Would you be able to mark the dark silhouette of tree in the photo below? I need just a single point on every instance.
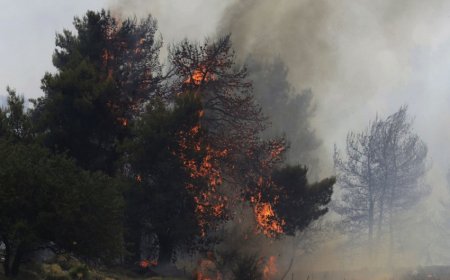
(299, 202)
(159, 203)
(288, 110)
(48, 201)
(105, 73)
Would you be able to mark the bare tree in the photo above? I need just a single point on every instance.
(380, 176)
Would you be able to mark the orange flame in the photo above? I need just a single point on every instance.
(123, 121)
(147, 263)
(270, 268)
(207, 269)
(199, 76)
(106, 56)
(267, 219)
(208, 202)
(138, 178)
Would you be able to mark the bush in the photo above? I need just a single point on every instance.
(247, 268)
(79, 272)
(58, 277)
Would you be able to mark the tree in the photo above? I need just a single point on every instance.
(288, 110)
(159, 203)
(232, 122)
(233, 125)
(15, 124)
(299, 202)
(46, 200)
(105, 73)
(380, 175)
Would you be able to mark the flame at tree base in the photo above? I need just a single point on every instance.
(270, 268)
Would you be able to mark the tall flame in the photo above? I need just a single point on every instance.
(267, 220)
(270, 268)
(204, 166)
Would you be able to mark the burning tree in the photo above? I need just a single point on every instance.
(232, 122)
(189, 140)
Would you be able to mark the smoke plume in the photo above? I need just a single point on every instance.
(358, 57)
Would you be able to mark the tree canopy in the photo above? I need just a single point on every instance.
(48, 201)
(122, 153)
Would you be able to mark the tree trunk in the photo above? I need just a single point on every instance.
(133, 244)
(371, 214)
(12, 269)
(16, 264)
(165, 249)
(7, 259)
(291, 262)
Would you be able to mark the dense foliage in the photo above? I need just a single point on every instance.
(122, 158)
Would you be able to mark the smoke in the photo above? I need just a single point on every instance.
(177, 19)
(358, 57)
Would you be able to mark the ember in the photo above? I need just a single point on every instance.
(147, 263)
(123, 121)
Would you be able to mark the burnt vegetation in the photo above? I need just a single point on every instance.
(123, 160)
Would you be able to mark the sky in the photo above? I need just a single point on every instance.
(378, 56)
(29, 27)
(28, 38)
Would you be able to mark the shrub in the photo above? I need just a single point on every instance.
(247, 268)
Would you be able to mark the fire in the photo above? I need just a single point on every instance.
(270, 268)
(138, 178)
(207, 269)
(204, 167)
(107, 56)
(123, 121)
(199, 76)
(147, 263)
(267, 219)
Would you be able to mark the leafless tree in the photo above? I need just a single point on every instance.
(380, 176)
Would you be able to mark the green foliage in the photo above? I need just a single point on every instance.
(15, 124)
(103, 78)
(80, 272)
(107, 114)
(300, 202)
(57, 277)
(160, 203)
(47, 199)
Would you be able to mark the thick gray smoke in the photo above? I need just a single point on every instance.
(358, 57)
